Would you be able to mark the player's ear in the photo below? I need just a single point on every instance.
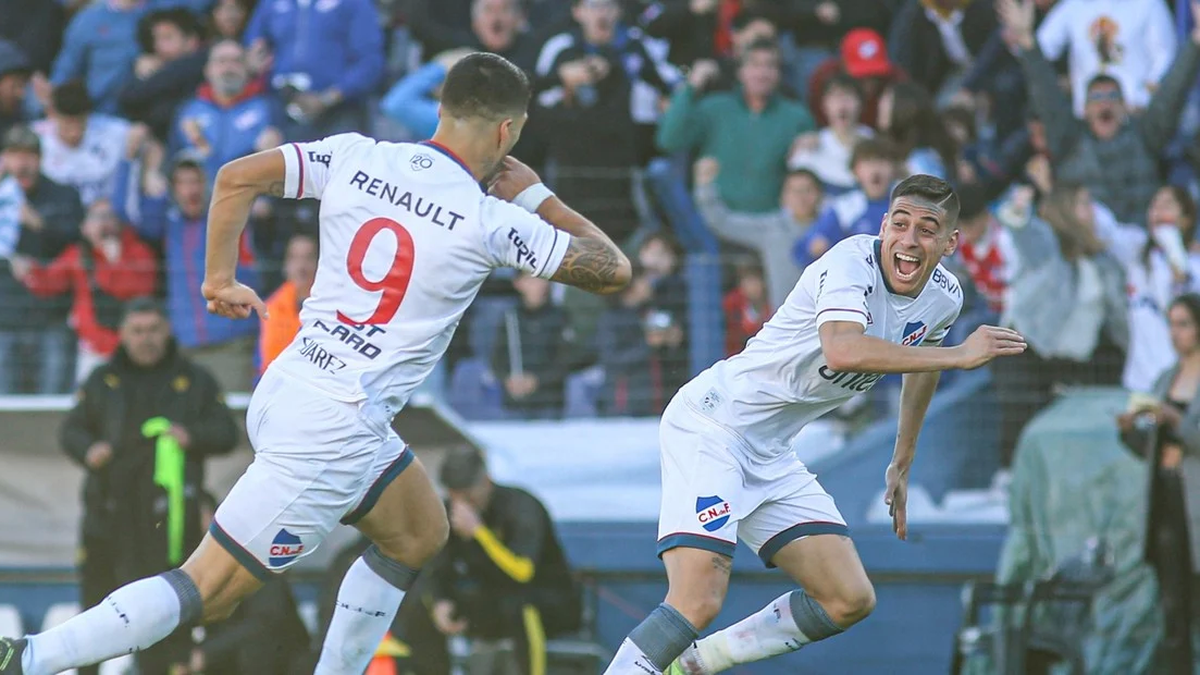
(951, 244)
(506, 131)
(883, 223)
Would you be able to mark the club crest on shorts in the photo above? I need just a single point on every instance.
(285, 548)
(713, 512)
(914, 333)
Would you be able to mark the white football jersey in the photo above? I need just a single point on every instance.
(780, 382)
(90, 167)
(407, 236)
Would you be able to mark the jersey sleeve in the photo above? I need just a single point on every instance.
(309, 166)
(844, 278)
(516, 238)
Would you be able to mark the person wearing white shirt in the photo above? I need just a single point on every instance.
(827, 152)
(81, 148)
(1131, 40)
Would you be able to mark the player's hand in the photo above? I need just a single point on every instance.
(896, 497)
(987, 343)
(98, 455)
(464, 519)
(443, 618)
(512, 179)
(233, 300)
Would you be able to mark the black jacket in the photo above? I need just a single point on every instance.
(916, 45)
(34, 26)
(490, 584)
(541, 343)
(154, 100)
(121, 500)
(62, 213)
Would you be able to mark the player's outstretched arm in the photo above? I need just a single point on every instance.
(915, 396)
(848, 350)
(592, 261)
(237, 185)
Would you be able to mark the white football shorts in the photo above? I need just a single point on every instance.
(317, 462)
(714, 491)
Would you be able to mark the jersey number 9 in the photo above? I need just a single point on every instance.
(394, 284)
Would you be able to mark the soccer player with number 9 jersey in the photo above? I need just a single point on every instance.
(407, 236)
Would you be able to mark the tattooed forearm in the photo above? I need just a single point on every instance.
(593, 265)
(722, 564)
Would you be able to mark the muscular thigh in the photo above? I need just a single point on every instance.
(408, 522)
(827, 566)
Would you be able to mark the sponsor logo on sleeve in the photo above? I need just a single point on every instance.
(319, 158)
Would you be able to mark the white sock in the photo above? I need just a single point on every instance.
(771, 631)
(366, 605)
(131, 618)
(631, 661)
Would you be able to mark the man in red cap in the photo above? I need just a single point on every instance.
(864, 57)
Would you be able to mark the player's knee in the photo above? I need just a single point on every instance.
(851, 605)
(417, 548)
(700, 608)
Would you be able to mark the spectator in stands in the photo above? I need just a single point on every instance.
(100, 47)
(746, 308)
(495, 26)
(747, 28)
(985, 250)
(938, 41)
(667, 319)
(1158, 267)
(529, 357)
(230, 115)
(859, 212)
(14, 75)
(167, 72)
(624, 354)
(503, 574)
(908, 117)
(283, 306)
(751, 129)
(224, 346)
(142, 428)
(35, 27)
(770, 235)
(1170, 442)
(1115, 155)
(228, 18)
(864, 57)
(102, 271)
(264, 636)
(599, 76)
(1132, 41)
(827, 152)
(34, 338)
(704, 29)
(1078, 333)
(80, 147)
(326, 59)
(413, 100)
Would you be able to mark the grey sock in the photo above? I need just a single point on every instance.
(811, 618)
(664, 635)
(394, 572)
(191, 606)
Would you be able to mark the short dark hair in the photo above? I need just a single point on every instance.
(185, 160)
(487, 86)
(1104, 78)
(462, 468)
(841, 80)
(1191, 303)
(805, 173)
(762, 44)
(931, 189)
(875, 147)
(183, 19)
(71, 99)
(972, 201)
(142, 305)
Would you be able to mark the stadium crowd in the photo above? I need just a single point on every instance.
(726, 143)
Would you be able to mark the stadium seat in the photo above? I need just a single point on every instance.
(10, 621)
(58, 614)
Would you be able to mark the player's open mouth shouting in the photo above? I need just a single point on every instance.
(913, 238)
